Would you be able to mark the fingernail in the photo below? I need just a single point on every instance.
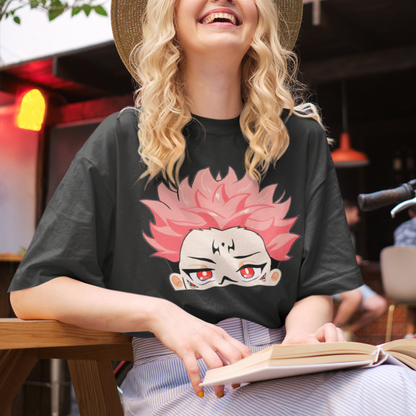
(221, 394)
(235, 386)
(201, 394)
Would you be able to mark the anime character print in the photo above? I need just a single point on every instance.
(221, 231)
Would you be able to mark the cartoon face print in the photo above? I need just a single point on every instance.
(220, 232)
(218, 258)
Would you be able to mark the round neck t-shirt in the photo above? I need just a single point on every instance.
(219, 245)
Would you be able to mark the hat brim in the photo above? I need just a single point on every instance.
(127, 18)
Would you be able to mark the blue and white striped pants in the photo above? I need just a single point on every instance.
(159, 385)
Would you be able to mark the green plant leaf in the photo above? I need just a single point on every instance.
(75, 11)
(16, 19)
(34, 4)
(22, 250)
(100, 10)
(54, 13)
(87, 9)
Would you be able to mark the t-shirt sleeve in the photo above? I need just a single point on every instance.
(328, 261)
(73, 234)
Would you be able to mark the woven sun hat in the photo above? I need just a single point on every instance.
(127, 20)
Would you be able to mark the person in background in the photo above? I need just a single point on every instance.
(405, 235)
(362, 299)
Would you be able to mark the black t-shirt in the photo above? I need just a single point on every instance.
(220, 245)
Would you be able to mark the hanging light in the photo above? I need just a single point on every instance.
(31, 111)
(345, 156)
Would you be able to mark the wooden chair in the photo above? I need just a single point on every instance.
(89, 354)
(398, 274)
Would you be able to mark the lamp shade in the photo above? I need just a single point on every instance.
(31, 111)
(346, 157)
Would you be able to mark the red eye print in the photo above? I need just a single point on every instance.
(204, 274)
(201, 276)
(247, 272)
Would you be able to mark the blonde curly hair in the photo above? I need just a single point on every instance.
(268, 86)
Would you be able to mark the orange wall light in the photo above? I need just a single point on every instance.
(32, 111)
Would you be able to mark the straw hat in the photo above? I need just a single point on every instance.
(127, 17)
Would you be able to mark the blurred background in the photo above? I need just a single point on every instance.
(357, 57)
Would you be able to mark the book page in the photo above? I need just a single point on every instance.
(323, 348)
(267, 373)
(404, 358)
(237, 368)
(298, 359)
(400, 344)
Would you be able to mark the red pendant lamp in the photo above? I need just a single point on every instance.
(345, 156)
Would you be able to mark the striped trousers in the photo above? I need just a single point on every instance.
(159, 385)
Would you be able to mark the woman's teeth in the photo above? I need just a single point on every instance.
(225, 17)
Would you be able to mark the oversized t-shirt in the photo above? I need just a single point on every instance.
(219, 245)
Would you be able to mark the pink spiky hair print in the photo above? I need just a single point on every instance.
(221, 204)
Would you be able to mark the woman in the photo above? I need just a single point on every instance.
(224, 235)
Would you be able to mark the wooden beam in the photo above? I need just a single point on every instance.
(66, 67)
(371, 128)
(100, 108)
(338, 27)
(355, 66)
(95, 388)
(11, 257)
(15, 366)
(113, 352)
(12, 84)
(16, 333)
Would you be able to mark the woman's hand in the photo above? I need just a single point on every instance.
(326, 333)
(191, 339)
(309, 322)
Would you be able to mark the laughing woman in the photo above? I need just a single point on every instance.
(222, 235)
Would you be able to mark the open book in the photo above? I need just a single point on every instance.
(291, 360)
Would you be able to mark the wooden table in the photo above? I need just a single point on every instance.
(89, 354)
